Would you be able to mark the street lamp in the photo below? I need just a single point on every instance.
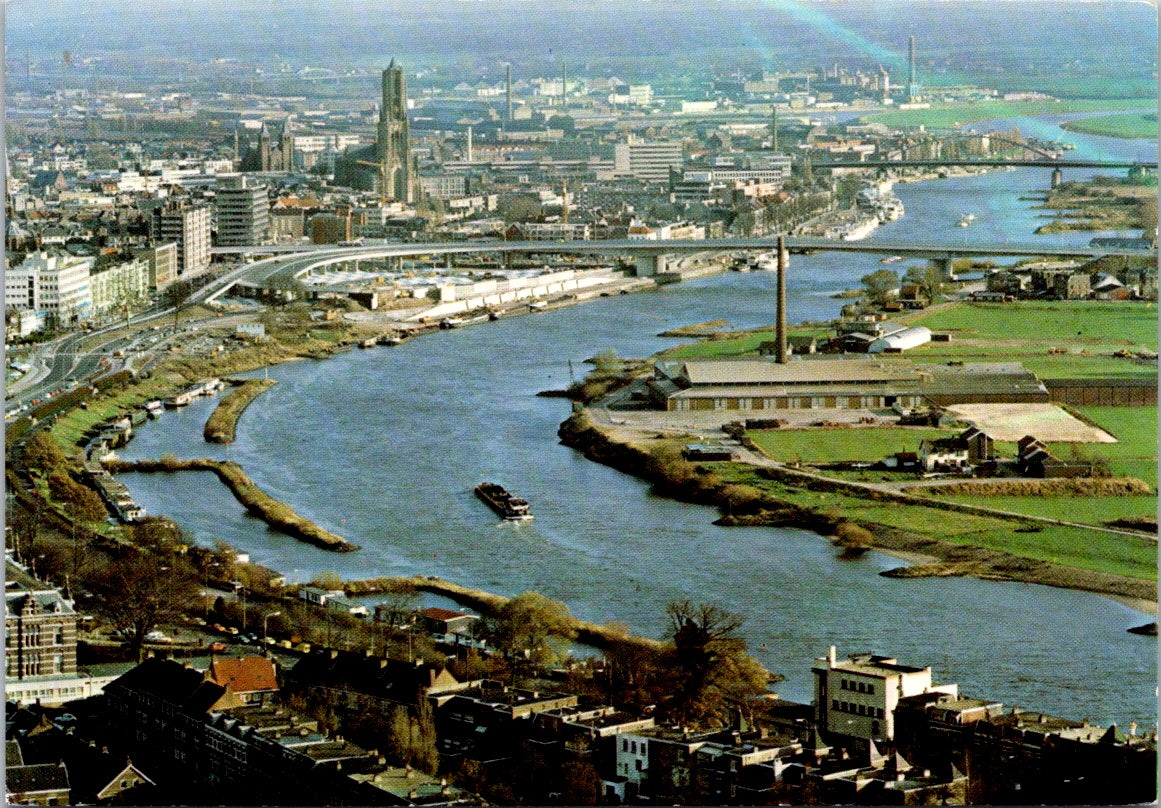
(265, 632)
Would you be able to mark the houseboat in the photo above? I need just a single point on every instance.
(498, 499)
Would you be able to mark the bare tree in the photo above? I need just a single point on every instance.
(713, 672)
(139, 592)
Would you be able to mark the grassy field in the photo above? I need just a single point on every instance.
(1127, 126)
(833, 445)
(951, 115)
(1086, 510)
(69, 429)
(1079, 322)
(1026, 331)
(734, 346)
(1018, 332)
(1076, 547)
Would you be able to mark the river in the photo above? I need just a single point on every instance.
(384, 446)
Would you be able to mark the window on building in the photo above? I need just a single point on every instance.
(870, 688)
(834, 704)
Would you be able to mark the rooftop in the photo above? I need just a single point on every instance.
(803, 371)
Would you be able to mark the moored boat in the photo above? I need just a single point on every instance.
(502, 502)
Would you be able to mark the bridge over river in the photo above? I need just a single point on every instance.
(650, 256)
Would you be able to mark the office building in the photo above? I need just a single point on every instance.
(647, 160)
(188, 225)
(55, 286)
(243, 211)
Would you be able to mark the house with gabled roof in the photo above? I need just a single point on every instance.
(252, 679)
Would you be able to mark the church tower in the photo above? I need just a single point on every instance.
(393, 149)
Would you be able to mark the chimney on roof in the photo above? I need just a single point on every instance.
(780, 323)
(831, 658)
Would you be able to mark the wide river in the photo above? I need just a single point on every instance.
(384, 447)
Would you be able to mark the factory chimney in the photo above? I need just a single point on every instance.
(469, 149)
(774, 127)
(911, 57)
(508, 85)
(780, 323)
(563, 84)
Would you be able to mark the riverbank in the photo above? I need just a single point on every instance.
(1127, 127)
(489, 603)
(747, 505)
(278, 515)
(221, 426)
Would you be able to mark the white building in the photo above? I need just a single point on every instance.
(56, 286)
(188, 225)
(856, 697)
(647, 160)
(633, 94)
(444, 186)
(243, 211)
(120, 285)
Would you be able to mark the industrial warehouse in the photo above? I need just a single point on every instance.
(829, 383)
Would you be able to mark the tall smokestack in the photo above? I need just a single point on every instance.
(508, 85)
(780, 323)
(469, 144)
(563, 84)
(911, 57)
(774, 126)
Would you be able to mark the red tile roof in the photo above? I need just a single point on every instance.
(246, 674)
(436, 613)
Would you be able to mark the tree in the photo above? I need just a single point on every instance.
(157, 533)
(713, 672)
(533, 626)
(82, 502)
(880, 284)
(41, 453)
(928, 278)
(138, 593)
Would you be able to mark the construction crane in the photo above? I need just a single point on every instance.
(382, 166)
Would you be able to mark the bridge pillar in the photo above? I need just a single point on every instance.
(947, 266)
(650, 265)
(780, 321)
(1057, 177)
(506, 257)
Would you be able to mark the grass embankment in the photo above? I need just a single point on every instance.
(273, 512)
(1101, 562)
(1133, 125)
(489, 603)
(964, 543)
(952, 115)
(728, 344)
(221, 425)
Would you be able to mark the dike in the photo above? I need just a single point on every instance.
(223, 421)
(257, 502)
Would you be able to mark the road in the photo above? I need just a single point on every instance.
(66, 357)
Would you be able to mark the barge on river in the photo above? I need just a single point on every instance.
(502, 502)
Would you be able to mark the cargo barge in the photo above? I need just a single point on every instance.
(498, 499)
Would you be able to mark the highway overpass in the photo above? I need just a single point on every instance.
(282, 273)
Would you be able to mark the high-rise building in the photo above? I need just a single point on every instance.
(55, 286)
(648, 160)
(243, 211)
(188, 225)
(393, 149)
